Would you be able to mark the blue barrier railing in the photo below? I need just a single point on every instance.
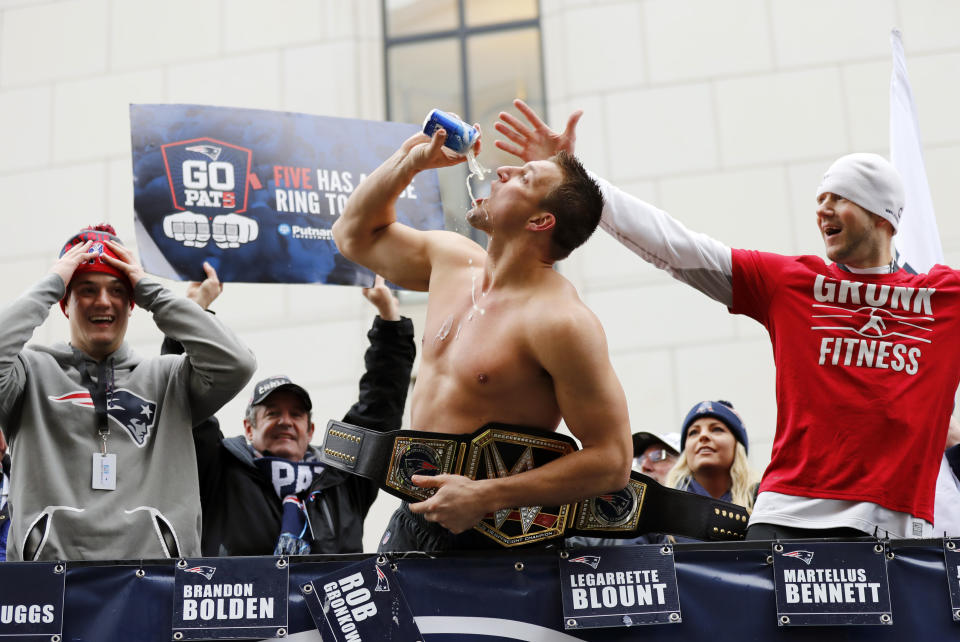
(726, 593)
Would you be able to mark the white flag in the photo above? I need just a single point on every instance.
(917, 241)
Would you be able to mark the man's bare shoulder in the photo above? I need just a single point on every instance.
(449, 249)
(559, 316)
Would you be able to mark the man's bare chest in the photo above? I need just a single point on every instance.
(479, 342)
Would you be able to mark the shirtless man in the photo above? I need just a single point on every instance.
(507, 338)
(866, 356)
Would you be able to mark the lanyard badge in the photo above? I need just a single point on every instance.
(104, 469)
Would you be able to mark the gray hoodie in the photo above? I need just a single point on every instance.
(48, 416)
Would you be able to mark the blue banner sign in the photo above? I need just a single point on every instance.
(831, 583)
(619, 586)
(229, 598)
(951, 558)
(256, 192)
(362, 601)
(31, 600)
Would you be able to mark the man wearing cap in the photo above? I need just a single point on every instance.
(265, 492)
(866, 356)
(101, 437)
(654, 455)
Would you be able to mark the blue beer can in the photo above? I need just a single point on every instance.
(460, 136)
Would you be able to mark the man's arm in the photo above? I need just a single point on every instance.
(219, 365)
(388, 362)
(368, 232)
(385, 381)
(203, 293)
(18, 322)
(692, 257)
(573, 350)
(206, 434)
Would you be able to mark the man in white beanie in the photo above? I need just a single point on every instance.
(866, 356)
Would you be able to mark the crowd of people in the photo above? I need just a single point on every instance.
(863, 410)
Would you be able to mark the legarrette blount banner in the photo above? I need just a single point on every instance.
(256, 192)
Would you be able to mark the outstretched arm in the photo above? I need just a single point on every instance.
(203, 293)
(368, 232)
(388, 361)
(692, 257)
(573, 351)
(217, 364)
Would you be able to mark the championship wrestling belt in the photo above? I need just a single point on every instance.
(500, 450)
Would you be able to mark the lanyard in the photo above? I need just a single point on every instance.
(100, 393)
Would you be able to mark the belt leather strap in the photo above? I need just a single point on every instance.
(500, 450)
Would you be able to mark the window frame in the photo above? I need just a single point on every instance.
(462, 33)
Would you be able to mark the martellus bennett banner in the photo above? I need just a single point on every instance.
(256, 192)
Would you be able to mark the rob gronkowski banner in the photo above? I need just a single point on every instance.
(255, 192)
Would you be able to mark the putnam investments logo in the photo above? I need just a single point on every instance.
(305, 232)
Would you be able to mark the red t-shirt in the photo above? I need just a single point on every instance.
(867, 367)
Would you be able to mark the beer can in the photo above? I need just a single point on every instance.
(460, 136)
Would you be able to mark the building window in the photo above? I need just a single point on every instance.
(471, 57)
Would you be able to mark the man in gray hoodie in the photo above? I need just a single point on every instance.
(105, 465)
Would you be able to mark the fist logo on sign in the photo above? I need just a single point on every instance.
(193, 230)
(233, 230)
(196, 230)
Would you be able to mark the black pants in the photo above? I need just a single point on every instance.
(775, 531)
(409, 532)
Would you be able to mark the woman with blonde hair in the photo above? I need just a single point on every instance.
(713, 460)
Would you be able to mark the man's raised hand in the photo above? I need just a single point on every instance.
(536, 141)
(384, 299)
(428, 152)
(125, 262)
(67, 264)
(205, 292)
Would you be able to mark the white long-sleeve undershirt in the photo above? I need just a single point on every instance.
(691, 257)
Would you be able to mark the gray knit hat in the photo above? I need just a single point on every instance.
(870, 181)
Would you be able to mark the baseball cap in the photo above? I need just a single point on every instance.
(268, 386)
(643, 440)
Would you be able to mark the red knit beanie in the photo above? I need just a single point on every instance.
(98, 234)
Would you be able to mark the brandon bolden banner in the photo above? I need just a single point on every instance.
(234, 598)
(255, 192)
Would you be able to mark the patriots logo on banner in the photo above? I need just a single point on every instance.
(804, 556)
(130, 411)
(382, 584)
(206, 571)
(208, 176)
(590, 560)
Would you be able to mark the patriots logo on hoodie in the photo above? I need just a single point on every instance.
(127, 409)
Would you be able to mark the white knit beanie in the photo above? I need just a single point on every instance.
(870, 181)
